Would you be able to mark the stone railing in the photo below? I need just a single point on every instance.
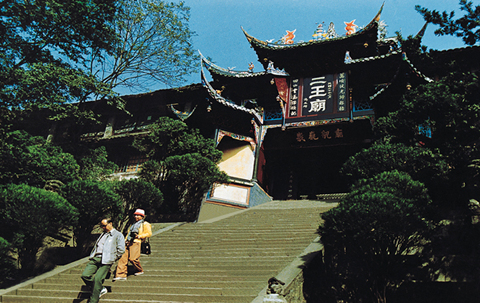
(287, 286)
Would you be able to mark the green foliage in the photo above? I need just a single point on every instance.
(94, 201)
(30, 160)
(183, 164)
(137, 193)
(94, 164)
(42, 47)
(420, 163)
(466, 27)
(189, 177)
(7, 264)
(374, 239)
(449, 108)
(28, 215)
(170, 137)
(137, 61)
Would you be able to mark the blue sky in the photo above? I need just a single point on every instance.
(218, 23)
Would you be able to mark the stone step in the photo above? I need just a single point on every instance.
(82, 297)
(253, 228)
(232, 243)
(267, 238)
(226, 261)
(147, 278)
(40, 289)
(227, 253)
(177, 271)
(244, 236)
(166, 282)
(159, 276)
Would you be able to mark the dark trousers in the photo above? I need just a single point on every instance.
(94, 275)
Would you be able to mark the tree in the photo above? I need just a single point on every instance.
(420, 163)
(94, 201)
(466, 27)
(94, 164)
(170, 137)
(31, 160)
(28, 215)
(137, 193)
(449, 111)
(183, 164)
(42, 48)
(188, 177)
(374, 240)
(154, 45)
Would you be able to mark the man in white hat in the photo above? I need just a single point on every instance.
(138, 232)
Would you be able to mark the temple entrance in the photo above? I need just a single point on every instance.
(304, 173)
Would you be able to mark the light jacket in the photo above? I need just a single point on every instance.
(145, 231)
(113, 248)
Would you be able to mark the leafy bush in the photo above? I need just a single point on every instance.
(7, 265)
(183, 179)
(28, 215)
(183, 164)
(30, 160)
(94, 200)
(94, 164)
(420, 163)
(137, 193)
(374, 235)
(169, 137)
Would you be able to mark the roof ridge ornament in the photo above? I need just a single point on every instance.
(275, 71)
(211, 67)
(421, 33)
(289, 36)
(182, 115)
(330, 35)
(350, 27)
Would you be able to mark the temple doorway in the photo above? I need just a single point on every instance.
(304, 173)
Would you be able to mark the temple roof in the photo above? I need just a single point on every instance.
(225, 102)
(311, 56)
(224, 72)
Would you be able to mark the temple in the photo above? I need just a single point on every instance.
(311, 108)
(285, 131)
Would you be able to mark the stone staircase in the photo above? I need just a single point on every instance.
(227, 259)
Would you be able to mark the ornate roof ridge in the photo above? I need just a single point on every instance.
(414, 69)
(265, 44)
(228, 72)
(421, 33)
(217, 97)
(393, 53)
(372, 58)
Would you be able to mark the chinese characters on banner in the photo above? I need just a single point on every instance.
(318, 135)
(294, 95)
(319, 96)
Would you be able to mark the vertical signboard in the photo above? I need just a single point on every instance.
(294, 97)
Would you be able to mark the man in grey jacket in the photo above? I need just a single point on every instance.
(109, 247)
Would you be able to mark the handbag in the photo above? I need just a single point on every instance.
(145, 247)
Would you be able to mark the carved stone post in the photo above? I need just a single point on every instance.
(274, 291)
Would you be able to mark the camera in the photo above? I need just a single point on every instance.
(131, 236)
